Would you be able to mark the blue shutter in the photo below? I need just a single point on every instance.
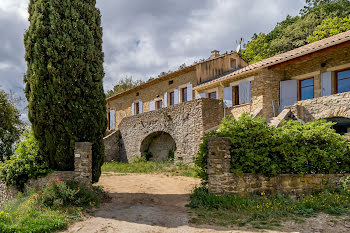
(152, 106)
(288, 93)
(326, 84)
(244, 92)
(176, 96)
(141, 106)
(189, 92)
(133, 109)
(165, 102)
(227, 97)
(112, 119)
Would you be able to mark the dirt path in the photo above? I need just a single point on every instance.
(155, 203)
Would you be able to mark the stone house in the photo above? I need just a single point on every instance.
(171, 113)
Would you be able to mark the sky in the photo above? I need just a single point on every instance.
(142, 38)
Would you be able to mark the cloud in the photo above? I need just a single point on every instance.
(143, 38)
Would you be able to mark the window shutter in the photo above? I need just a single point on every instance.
(227, 97)
(141, 106)
(152, 106)
(112, 119)
(244, 92)
(165, 102)
(288, 93)
(201, 95)
(189, 92)
(176, 96)
(133, 109)
(326, 84)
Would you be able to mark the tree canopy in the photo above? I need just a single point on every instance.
(11, 125)
(317, 20)
(64, 89)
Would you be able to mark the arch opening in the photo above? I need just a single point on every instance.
(158, 146)
(342, 124)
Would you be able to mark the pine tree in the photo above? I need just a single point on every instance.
(64, 76)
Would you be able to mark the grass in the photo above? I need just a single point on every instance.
(149, 167)
(26, 214)
(265, 212)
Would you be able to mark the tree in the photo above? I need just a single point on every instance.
(66, 101)
(330, 27)
(11, 125)
(124, 84)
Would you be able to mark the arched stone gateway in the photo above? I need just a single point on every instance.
(180, 126)
(159, 146)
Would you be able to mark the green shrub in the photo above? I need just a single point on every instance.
(294, 147)
(25, 164)
(59, 194)
(138, 159)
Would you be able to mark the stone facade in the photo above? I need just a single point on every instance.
(82, 173)
(222, 181)
(184, 123)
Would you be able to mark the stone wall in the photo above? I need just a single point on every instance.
(112, 147)
(323, 107)
(185, 123)
(221, 181)
(82, 173)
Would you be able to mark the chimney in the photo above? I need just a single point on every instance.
(214, 54)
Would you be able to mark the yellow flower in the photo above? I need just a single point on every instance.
(262, 193)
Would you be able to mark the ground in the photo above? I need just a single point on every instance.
(156, 203)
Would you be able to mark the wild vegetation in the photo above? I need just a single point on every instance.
(293, 148)
(319, 19)
(64, 89)
(25, 164)
(261, 211)
(49, 209)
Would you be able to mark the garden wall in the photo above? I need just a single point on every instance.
(81, 173)
(221, 181)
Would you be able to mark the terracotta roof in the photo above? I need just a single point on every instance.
(304, 50)
(165, 77)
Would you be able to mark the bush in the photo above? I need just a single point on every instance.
(294, 147)
(59, 194)
(25, 164)
(138, 159)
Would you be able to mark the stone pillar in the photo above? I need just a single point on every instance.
(219, 164)
(83, 162)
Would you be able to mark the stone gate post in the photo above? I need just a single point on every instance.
(83, 162)
(219, 163)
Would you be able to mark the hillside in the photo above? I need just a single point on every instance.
(318, 20)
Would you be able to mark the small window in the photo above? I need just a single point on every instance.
(137, 108)
(171, 98)
(235, 95)
(343, 81)
(184, 95)
(233, 63)
(212, 95)
(159, 104)
(137, 93)
(306, 89)
(171, 82)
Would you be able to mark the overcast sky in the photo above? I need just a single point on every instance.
(145, 37)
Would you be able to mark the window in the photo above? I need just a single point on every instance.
(184, 95)
(306, 89)
(159, 104)
(212, 95)
(171, 98)
(235, 91)
(171, 82)
(343, 81)
(137, 108)
(233, 63)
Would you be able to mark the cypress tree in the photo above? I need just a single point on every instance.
(64, 86)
